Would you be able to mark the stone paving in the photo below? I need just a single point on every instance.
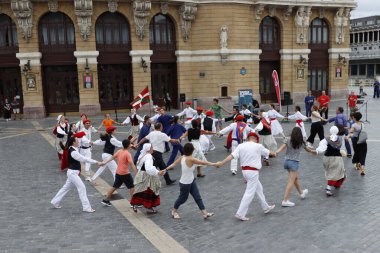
(347, 222)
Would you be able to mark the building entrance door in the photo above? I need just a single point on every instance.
(164, 82)
(61, 89)
(10, 84)
(267, 90)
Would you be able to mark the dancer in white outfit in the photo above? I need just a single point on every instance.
(110, 143)
(276, 127)
(189, 113)
(299, 118)
(239, 131)
(73, 178)
(85, 146)
(264, 129)
(250, 154)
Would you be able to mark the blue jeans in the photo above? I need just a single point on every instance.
(176, 148)
(347, 144)
(185, 190)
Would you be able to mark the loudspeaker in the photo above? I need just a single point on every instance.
(287, 100)
(182, 97)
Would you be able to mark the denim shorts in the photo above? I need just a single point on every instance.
(291, 165)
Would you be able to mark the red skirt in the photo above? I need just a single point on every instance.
(229, 140)
(146, 198)
(65, 159)
(337, 183)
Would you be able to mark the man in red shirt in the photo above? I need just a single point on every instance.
(324, 101)
(352, 100)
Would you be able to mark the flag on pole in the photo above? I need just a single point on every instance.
(276, 82)
(142, 99)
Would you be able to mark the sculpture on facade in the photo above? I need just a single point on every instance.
(338, 22)
(53, 5)
(187, 13)
(112, 6)
(164, 8)
(84, 11)
(141, 10)
(287, 12)
(223, 37)
(302, 21)
(23, 11)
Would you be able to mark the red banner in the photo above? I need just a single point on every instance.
(142, 99)
(276, 82)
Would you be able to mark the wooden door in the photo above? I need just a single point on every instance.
(61, 93)
(10, 84)
(164, 80)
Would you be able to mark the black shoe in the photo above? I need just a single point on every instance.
(106, 202)
(170, 182)
(349, 155)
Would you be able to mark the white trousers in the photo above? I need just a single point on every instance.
(87, 153)
(234, 162)
(268, 142)
(211, 145)
(112, 166)
(73, 179)
(253, 187)
(133, 131)
(302, 130)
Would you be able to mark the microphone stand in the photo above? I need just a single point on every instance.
(366, 112)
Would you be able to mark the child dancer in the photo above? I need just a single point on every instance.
(299, 118)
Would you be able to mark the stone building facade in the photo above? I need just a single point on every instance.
(87, 55)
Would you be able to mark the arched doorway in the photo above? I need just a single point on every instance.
(270, 44)
(319, 57)
(164, 61)
(59, 70)
(10, 76)
(113, 42)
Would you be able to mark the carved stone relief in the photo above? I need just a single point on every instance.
(272, 11)
(341, 21)
(112, 6)
(302, 20)
(321, 12)
(187, 13)
(53, 5)
(223, 37)
(84, 11)
(141, 11)
(259, 10)
(288, 11)
(164, 8)
(23, 11)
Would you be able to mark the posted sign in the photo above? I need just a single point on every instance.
(245, 97)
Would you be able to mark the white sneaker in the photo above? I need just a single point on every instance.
(89, 210)
(304, 193)
(88, 179)
(287, 204)
(270, 208)
(241, 217)
(56, 206)
(233, 173)
(212, 148)
(309, 145)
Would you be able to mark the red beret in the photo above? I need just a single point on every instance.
(255, 135)
(86, 120)
(158, 109)
(199, 108)
(209, 113)
(188, 102)
(110, 129)
(239, 118)
(79, 134)
(83, 114)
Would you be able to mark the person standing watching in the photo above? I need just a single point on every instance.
(352, 100)
(376, 89)
(309, 102)
(324, 101)
(16, 108)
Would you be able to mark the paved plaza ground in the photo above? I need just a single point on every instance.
(347, 222)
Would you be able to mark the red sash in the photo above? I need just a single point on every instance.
(299, 121)
(248, 168)
(266, 124)
(272, 119)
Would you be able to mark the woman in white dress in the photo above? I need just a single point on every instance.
(276, 127)
(299, 118)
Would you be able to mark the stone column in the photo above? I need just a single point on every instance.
(88, 96)
(141, 77)
(34, 107)
(338, 86)
(296, 79)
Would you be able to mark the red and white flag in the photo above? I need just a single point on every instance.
(276, 82)
(142, 99)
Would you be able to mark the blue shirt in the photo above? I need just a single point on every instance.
(165, 121)
(175, 131)
(309, 101)
(145, 130)
(340, 119)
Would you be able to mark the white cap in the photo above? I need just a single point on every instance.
(59, 117)
(334, 133)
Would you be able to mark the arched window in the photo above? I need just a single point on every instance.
(8, 33)
(112, 32)
(162, 33)
(56, 32)
(269, 33)
(319, 32)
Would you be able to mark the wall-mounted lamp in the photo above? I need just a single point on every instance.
(144, 65)
(26, 68)
(87, 68)
(303, 60)
(342, 59)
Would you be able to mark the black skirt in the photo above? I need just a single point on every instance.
(360, 151)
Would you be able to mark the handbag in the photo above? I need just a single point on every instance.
(362, 136)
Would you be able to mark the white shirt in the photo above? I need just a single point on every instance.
(149, 168)
(188, 112)
(59, 129)
(128, 119)
(250, 154)
(213, 124)
(79, 126)
(272, 114)
(113, 141)
(85, 140)
(232, 127)
(315, 117)
(80, 158)
(260, 126)
(297, 116)
(187, 176)
(246, 112)
(158, 139)
(155, 117)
